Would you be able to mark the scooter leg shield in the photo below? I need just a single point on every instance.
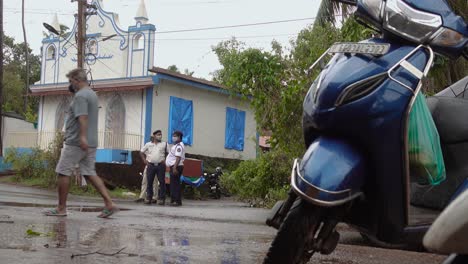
(331, 173)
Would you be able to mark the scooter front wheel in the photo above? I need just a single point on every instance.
(295, 235)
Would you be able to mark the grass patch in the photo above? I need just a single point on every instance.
(88, 190)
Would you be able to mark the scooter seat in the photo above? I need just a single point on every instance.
(450, 118)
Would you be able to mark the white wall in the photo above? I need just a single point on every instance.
(209, 119)
(134, 104)
(12, 127)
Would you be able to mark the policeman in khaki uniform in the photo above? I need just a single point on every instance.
(154, 156)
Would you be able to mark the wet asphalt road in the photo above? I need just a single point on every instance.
(225, 232)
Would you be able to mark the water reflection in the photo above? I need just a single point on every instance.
(60, 231)
(231, 253)
(171, 238)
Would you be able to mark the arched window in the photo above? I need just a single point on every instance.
(92, 47)
(114, 137)
(139, 42)
(51, 52)
(61, 112)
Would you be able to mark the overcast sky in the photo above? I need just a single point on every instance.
(191, 50)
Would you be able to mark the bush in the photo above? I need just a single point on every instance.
(262, 181)
(37, 165)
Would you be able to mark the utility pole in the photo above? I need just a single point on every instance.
(1, 78)
(81, 38)
(26, 54)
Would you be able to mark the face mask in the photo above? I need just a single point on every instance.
(158, 138)
(175, 139)
(71, 88)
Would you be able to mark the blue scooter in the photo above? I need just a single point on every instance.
(356, 169)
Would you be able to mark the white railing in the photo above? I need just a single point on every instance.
(44, 139)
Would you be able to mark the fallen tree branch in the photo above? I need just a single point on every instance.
(100, 253)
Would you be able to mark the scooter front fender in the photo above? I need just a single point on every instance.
(331, 173)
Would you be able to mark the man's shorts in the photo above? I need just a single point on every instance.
(74, 155)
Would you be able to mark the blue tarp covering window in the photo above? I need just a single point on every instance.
(235, 126)
(181, 118)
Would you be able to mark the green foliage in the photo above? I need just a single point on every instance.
(263, 178)
(15, 78)
(37, 165)
(31, 232)
(174, 68)
(352, 31)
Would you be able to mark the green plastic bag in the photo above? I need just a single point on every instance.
(425, 154)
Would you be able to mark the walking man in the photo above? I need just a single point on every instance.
(144, 180)
(175, 160)
(154, 156)
(80, 145)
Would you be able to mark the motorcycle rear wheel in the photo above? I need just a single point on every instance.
(291, 244)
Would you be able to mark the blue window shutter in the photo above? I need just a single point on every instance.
(235, 127)
(181, 118)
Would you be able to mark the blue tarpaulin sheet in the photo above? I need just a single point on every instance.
(235, 126)
(181, 118)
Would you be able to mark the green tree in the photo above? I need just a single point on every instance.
(15, 78)
(174, 68)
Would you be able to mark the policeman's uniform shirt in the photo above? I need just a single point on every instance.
(178, 150)
(155, 152)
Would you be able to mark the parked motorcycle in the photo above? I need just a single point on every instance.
(213, 182)
(356, 117)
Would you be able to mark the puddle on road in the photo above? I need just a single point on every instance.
(168, 246)
(84, 209)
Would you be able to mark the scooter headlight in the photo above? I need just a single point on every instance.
(410, 23)
(447, 38)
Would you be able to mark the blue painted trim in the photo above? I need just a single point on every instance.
(47, 51)
(49, 40)
(118, 30)
(136, 49)
(145, 18)
(149, 54)
(94, 35)
(97, 44)
(58, 64)
(141, 114)
(192, 83)
(113, 156)
(72, 34)
(148, 113)
(145, 27)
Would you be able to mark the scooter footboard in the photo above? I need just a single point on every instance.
(331, 173)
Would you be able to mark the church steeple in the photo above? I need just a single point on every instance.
(142, 15)
(55, 23)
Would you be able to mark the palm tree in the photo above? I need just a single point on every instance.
(329, 10)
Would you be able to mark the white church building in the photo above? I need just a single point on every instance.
(136, 98)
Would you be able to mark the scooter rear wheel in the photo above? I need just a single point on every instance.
(292, 242)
